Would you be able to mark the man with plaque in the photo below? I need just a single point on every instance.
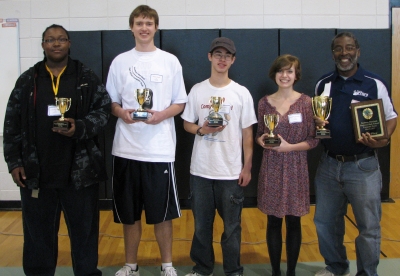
(148, 78)
(217, 175)
(57, 168)
(349, 170)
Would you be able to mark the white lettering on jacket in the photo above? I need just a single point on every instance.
(360, 93)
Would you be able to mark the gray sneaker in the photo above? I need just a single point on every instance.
(326, 272)
(127, 271)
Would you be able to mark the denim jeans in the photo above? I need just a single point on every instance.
(336, 184)
(225, 196)
(41, 222)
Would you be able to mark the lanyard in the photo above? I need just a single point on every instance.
(55, 87)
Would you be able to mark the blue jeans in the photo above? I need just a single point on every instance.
(336, 184)
(41, 222)
(226, 196)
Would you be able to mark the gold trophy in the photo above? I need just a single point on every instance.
(63, 104)
(271, 122)
(141, 96)
(322, 106)
(215, 119)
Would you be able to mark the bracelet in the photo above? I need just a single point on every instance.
(198, 132)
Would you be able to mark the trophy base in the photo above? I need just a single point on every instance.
(61, 125)
(140, 115)
(215, 122)
(323, 134)
(272, 142)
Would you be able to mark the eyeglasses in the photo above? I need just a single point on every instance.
(227, 57)
(348, 48)
(53, 40)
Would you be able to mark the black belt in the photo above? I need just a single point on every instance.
(348, 158)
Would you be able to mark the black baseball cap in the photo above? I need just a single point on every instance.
(223, 42)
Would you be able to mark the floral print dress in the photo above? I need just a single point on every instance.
(283, 182)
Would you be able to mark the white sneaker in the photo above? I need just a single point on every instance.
(325, 272)
(169, 271)
(127, 271)
(197, 274)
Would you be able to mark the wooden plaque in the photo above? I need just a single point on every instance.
(369, 116)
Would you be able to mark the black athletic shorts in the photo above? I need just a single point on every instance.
(141, 185)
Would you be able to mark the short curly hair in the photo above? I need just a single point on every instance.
(345, 34)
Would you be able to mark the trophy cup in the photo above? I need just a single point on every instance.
(215, 119)
(271, 122)
(63, 104)
(141, 96)
(322, 106)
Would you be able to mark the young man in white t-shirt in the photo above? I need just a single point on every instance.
(217, 174)
(144, 150)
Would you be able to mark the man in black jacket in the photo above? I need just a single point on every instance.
(57, 169)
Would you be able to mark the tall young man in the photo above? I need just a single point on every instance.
(349, 171)
(217, 172)
(144, 150)
(57, 169)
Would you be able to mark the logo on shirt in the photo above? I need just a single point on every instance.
(138, 77)
(360, 93)
(208, 106)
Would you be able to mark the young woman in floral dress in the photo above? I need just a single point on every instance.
(283, 185)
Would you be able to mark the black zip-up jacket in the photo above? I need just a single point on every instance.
(93, 112)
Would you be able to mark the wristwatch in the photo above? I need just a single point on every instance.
(198, 132)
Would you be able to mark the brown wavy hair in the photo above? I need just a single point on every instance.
(285, 62)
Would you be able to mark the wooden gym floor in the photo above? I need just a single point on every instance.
(254, 249)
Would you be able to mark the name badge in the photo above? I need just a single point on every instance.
(225, 109)
(295, 118)
(156, 78)
(35, 193)
(52, 110)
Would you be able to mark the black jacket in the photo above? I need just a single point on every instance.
(93, 112)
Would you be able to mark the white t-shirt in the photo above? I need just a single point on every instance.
(219, 155)
(162, 73)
